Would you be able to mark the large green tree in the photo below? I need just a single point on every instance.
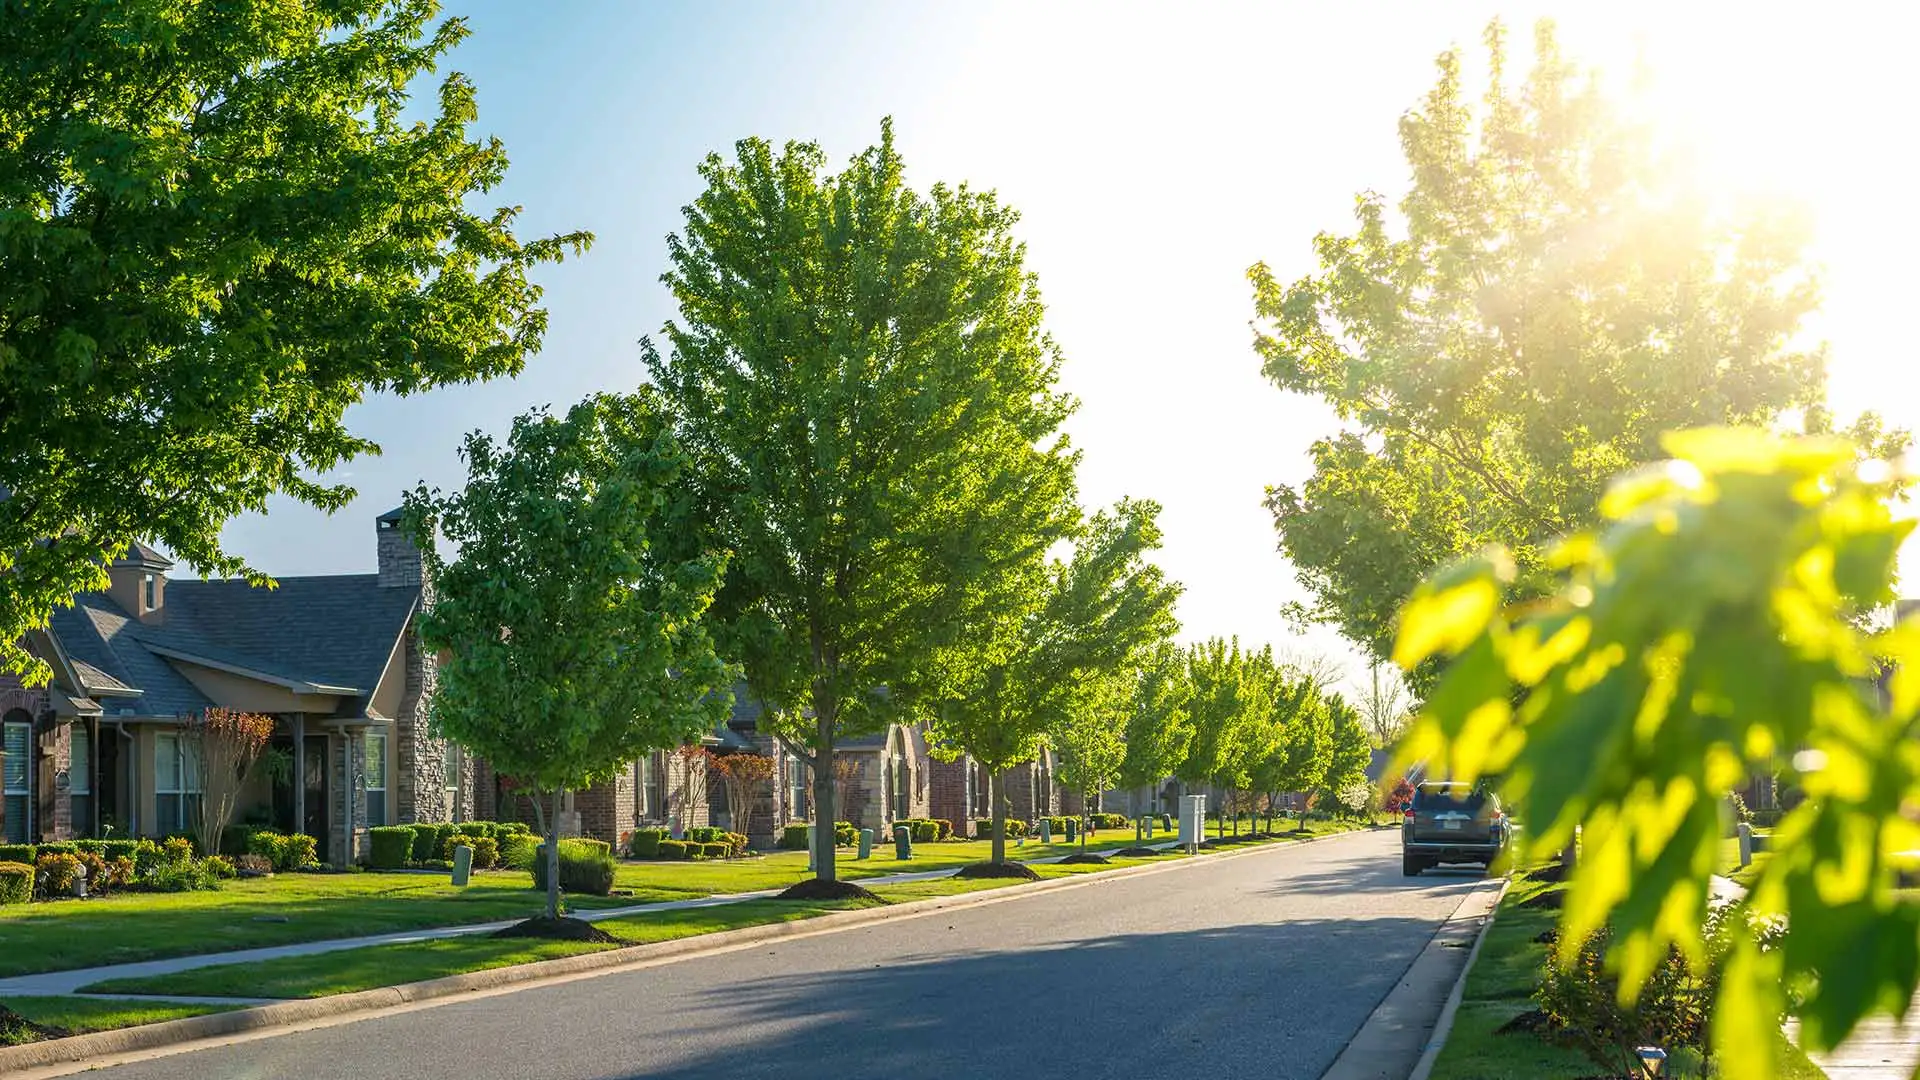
(1089, 738)
(574, 643)
(1554, 293)
(1230, 694)
(1296, 757)
(1159, 726)
(860, 373)
(1094, 615)
(217, 233)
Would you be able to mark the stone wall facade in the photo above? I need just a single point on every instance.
(347, 767)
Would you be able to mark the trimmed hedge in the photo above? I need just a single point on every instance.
(704, 834)
(392, 846)
(16, 881)
(59, 847)
(425, 841)
(717, 850)
(477, 828)
(502, 829)
(1111, 821)
(674, 849)
(586, 866)
(794, 837)
(645, 843)
(983, 828)
(19, 854)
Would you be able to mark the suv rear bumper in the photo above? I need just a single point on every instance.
(1453, 852)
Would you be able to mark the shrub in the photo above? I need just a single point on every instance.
(193, 846)
(176, 850)
(944, 829)
(58, 871)
(844, 834)
(476, 828)
(426, 838)
(300, 850)
(391, 846)
(738, 841)
(673, 849)
(219, 866)
(26, 854)
(646, 843)
(146, 857)
(513, 828)
(1111, 821)
(517, 851)
(983, 828)
(251, 865)
(924, 831)
(118, 872)
(1766, 819)
(59, 847)
(268, 845)
(119, 849)
(90, 847)
(184, 876)
(794, 837)
(705, 834)
(486, 850)
(719, 849)
(441, 830)
(16, 882)
(586, 866)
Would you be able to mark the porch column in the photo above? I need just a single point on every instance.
(299, 773)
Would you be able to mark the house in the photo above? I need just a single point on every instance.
(335, 660)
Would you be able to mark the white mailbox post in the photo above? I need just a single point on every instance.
(1193, 821)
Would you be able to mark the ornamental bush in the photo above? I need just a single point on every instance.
(486, 850)
(426, 841)
(517, 851)
(95, 847)
(673, 849)
(16, 882)
(738, 841)
(794, 837)
(586, 866)
(26, 854)
(718, 850)
(944, 827)
(476, 828)
(176, 850)
(923, 831)
(147, 858)
(300, 850)
(59, 847)
(704, 834)
(218, 867)
(645, 843)
(391, 846)
(844, 834)
(58, 871)
(514, 828)
(183, 876)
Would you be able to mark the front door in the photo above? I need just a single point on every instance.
(315, 781)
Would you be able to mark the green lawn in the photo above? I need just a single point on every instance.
(81, 1015)
(245, 914)
(1500, 987)
(1730, 863)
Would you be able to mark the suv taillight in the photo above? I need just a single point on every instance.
(1409, 813)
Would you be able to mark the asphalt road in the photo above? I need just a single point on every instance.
(1262, 965)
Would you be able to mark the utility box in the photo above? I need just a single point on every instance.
(1046, 830)
(462, 864)
(902, 843)
(866, 843)
(1193, 821)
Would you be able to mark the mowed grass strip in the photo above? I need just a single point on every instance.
(348, 970)
(77, 1016)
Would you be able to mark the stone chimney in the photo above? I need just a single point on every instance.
(399, 559)
(139, 582)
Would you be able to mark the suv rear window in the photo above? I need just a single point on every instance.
(1449, 797)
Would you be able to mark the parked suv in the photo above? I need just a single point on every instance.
(1452, 823)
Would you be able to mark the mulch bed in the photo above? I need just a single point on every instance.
(998, 870)
(1551, 901)
(562, 929)
(1552, 872)
(815, 889)
(1138, 852)
(1083, 858)
(15, 1029)
(1532, 1022)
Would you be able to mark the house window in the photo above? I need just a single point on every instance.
(902, 789)
(80, 778)
(646, 797)
(376, 773)
(152, 587)
(455, 763)
(796, 788)
(17, 747)
(176, 785)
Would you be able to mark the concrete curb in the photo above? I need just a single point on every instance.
(1444, 1026)
(84, 1049)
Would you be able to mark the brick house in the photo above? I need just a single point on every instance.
(335, 660)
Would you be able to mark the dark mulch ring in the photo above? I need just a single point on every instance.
(15, 1028)
(1551, 901)
(998, 870)
(1138, 852)
(562, 929)
(1551, 873)
(815, 889)
(1546, 937)
(1082, 858)
(1533, 1022)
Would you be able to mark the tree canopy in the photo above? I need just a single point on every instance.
(573, 643)
(1711, 628)
(1159, 726)
(216, 234)
(860, 374)
(1555, 293)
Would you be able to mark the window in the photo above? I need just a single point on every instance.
(376, 773)
(17, 747)
(455, 764)
(176, 784)
(80, 778)
(796, 788)
(643, 802)
(152, 588)
(902, 789)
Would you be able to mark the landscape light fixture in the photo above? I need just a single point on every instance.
(1653, 1061)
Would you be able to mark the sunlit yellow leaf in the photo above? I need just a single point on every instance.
(1443, 623)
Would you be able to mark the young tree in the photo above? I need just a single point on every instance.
(860, 373)
(1091, 618)
(223, 228)
(574, 646)
(1159, 727)
(694, 760)
(1089, 736)
(1554, 295)
(743, 775)
(1295, 755)
(1713, 621)
(225, 744)
(1383, 704)
(1349, 749)
(1228, 696)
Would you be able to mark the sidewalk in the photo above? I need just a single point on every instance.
(55, 983)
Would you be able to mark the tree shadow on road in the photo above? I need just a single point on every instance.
(1271, 1000)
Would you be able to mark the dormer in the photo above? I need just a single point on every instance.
(139, 582)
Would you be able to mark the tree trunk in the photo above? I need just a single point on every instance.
(550, 827)
(823, 800)
(997, 804)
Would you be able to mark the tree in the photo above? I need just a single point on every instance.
(1295, 757)
(1714, 620)
(1089, 735)
(224, 745)
(860, 374)
(1228, 695)
(1092, 618)
(573, 645)
(1159, 727)
(694, 760)
(743, 775)
(220, 233)
(1349, 751)
(1557, 294)
(1383, 703)
(1400, 797)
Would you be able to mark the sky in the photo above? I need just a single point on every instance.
(1154, 152)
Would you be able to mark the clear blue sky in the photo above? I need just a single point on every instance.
(1155, 152)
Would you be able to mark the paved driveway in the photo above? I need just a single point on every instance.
(1262, 965)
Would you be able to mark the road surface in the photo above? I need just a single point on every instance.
(1260, 965)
